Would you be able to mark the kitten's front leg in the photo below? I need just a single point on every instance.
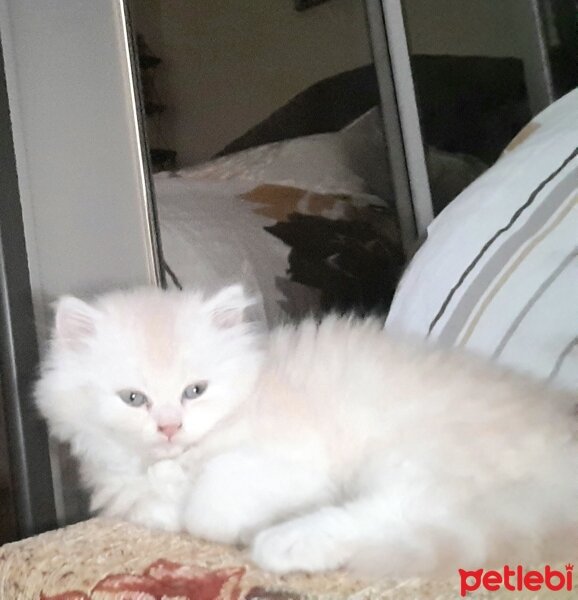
(167, 483)
(242, 491)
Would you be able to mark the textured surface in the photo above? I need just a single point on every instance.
(105, 560)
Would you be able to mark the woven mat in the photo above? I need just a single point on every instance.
(109, 560)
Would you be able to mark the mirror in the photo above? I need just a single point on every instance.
(267, 146)
(482, 71)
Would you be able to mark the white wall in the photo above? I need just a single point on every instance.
(229, 64)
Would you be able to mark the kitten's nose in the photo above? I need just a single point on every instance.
(169, 430)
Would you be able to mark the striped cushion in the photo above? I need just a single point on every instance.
(499, 273)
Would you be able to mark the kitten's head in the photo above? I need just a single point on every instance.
(152, 370)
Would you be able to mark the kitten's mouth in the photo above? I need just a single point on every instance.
(174, 446)
(172, 450)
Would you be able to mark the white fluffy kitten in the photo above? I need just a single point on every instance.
(322, 446)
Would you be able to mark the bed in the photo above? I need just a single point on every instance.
(294, 220)
(307, 224)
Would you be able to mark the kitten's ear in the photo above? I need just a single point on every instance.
(227, 307)
(75, 321)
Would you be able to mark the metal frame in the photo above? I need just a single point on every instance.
(538, 68)
(139, 116)
(27, 436)
(89, 136)
(400, 120)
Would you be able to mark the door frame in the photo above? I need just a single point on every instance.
(86, 222)
(25, 432)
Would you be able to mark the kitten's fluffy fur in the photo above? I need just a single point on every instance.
(320, 446)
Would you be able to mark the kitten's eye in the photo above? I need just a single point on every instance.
(195, 390)
(133, 398)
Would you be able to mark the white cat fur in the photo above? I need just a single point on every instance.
(320, 446)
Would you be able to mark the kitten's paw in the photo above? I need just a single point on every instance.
(167, 472)
(215, 516)
(304, 544)
(163, 516)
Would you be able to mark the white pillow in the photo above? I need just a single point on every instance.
(499, 271)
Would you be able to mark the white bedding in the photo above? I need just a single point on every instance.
(328, 196)
(211, 238)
